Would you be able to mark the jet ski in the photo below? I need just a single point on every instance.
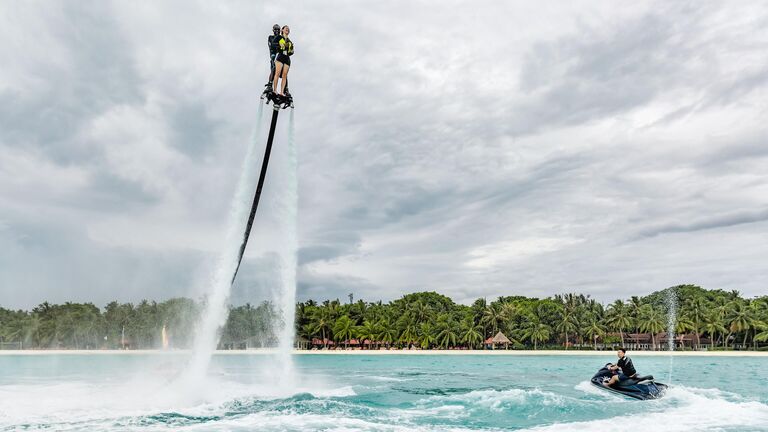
(639, 387)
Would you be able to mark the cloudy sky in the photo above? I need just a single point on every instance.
(606, 148)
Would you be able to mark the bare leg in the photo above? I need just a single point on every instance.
(285, 79)
(278, 71)
(614, 380)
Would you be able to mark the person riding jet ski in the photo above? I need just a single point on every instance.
(623, 369)
(622, 378)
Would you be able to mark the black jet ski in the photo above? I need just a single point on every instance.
(639, 387)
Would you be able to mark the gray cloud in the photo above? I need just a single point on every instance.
(707, 223)
(471, 152)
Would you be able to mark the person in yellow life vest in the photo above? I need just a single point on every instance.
(283, 60)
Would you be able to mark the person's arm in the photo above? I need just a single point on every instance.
(292, 47)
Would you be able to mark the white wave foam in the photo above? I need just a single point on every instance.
(499, 400)
(78, 404)
(589, 388)
(683, 410)
(333, 392)
(386, 379)
(305, 422)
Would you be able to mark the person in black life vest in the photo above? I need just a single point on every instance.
(283, 60)
(623, 369)
(273, 49)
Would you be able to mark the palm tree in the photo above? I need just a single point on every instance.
(446, 331)
(618, 318)
(387, 332)
(322, 321)
(508, 312)
(357, 311)
(344, 329)
(652, 322)
(683, 325)
(762, 336)
(741, 319)
(566, 323)
(492, 316)
(471, 334)
(696, 309)
(635, 304)
(409, 332)
(369, 330)
(712, 325)
(426, 335)
(595, 330)
(422, 311)
(536, 331)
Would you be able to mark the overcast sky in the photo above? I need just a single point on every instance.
(609, 148)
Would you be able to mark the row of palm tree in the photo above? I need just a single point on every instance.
(430, 320)
(125, 325)
(719, 319)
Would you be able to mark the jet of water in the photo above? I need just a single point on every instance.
(286, 206)
(670, 298)
(215, 309)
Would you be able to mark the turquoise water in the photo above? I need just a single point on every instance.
(374, 393)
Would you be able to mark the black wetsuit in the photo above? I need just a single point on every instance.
(274, 47)
(627, 368)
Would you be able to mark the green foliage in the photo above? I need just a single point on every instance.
(425, 319)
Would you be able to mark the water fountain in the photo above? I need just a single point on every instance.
(284, 206)
(670, 299)
(214, 313)
(286, 297)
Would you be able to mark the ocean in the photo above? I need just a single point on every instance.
(149, 392)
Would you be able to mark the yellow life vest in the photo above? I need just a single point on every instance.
(286, 46)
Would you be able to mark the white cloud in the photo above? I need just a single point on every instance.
(496, 254)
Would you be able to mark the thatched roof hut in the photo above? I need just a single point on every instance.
(500, 338)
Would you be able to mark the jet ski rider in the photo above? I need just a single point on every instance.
(623, 369)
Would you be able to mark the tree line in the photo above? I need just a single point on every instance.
(714, 319)
(130, 326)
(431, 320)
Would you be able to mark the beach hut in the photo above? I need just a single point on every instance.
(322, 343)
(499, 339)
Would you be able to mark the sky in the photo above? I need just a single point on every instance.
(607, 148)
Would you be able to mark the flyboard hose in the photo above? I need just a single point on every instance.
(257, 195)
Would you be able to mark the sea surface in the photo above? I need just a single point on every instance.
(374, 393)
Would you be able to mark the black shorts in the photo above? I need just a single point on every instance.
(284, 59)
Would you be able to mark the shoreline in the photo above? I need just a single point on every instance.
(267, 351)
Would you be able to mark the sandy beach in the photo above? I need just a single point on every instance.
(265, 351)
